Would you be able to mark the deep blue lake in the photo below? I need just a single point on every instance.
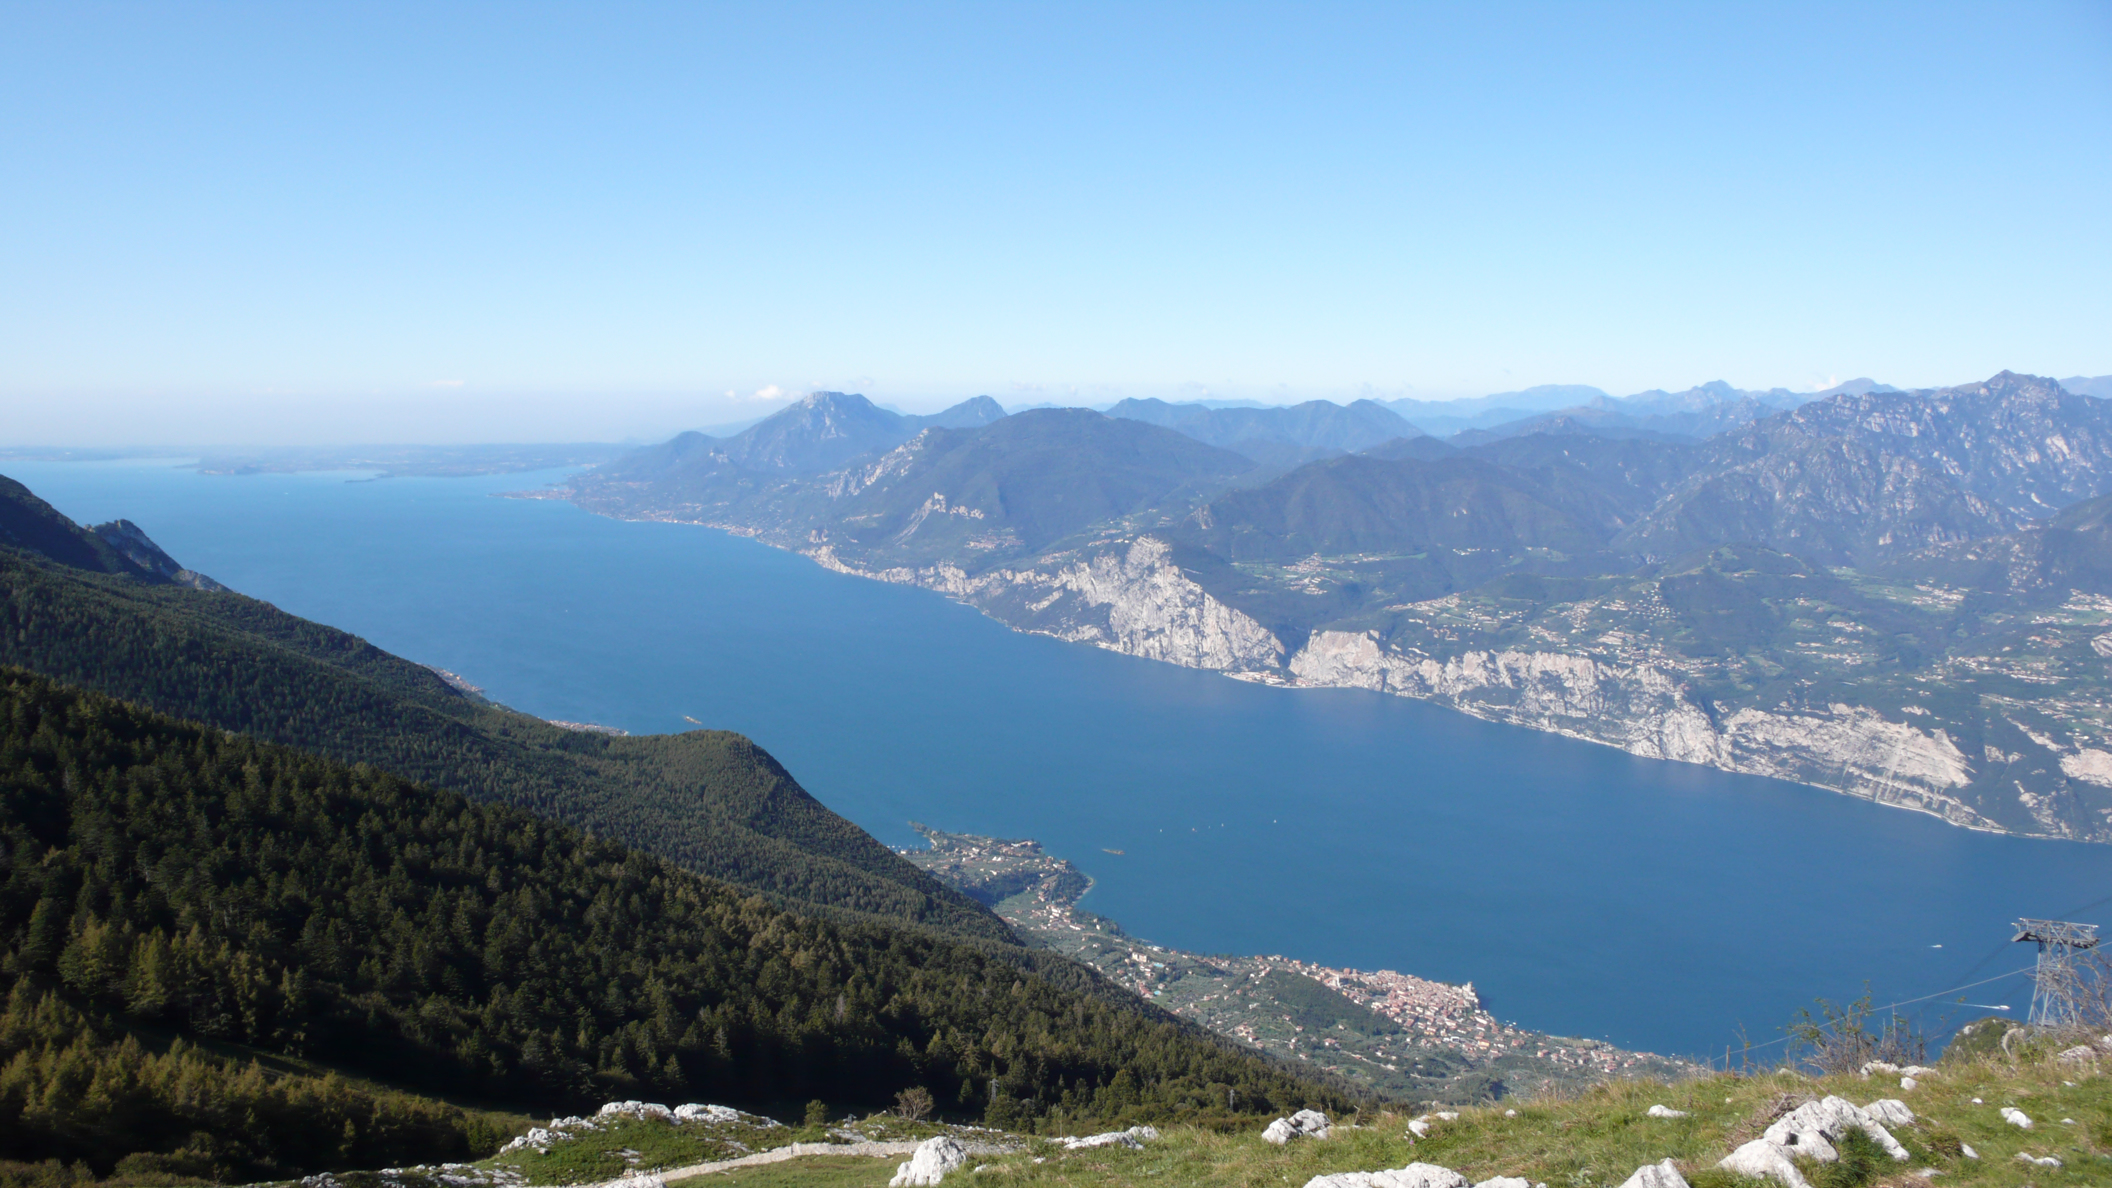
(1583, 891)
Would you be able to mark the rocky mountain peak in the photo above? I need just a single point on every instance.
(137, 547)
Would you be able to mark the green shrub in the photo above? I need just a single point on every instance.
(1861, 1161)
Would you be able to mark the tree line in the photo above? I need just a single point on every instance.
(164, 878)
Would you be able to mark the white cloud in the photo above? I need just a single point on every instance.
(767, 394)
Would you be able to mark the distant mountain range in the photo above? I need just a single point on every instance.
(1901, 595)
(1285, 435)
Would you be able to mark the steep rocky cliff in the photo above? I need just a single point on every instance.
(1128, 596)
(1650, 710)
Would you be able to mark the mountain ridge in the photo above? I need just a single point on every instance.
(709, 800)
(236, 892)
(1318, 575)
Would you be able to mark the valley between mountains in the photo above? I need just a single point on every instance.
(1900, 596)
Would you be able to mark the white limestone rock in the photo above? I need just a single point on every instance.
(1763, 1160)
(1303, 1124)
(1134, 1138)
(1663, 1174)
(1150, 608)
(1909, 1083)
(1114, 1138)
(1890, 1111)
(1645, 709)
(933, 1158)
(2039, 1160)
(1813, 1129)
(2016, 1117)
(636, 1109)
(1419, 1128)
(539, 1139)
(1658, 1111)
(1415, 1175)
(1509, 1182)
(695, 1112)
(1885, 1068)
(2079, 1054)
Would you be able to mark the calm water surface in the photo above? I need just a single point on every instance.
(1582, 891)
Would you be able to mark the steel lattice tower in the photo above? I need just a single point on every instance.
(2057, 988)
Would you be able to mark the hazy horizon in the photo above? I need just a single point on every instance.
(321, 224)
(475, 419)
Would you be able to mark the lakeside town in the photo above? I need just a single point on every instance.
(1395, 1032)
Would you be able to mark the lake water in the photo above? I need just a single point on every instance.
(1583, 891)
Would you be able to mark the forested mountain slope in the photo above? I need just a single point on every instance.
(27, 522)
(1025, 482)
(708, 800)
(974, 497)
(819, 432)
(183, 879)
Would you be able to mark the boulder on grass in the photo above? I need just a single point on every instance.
(1663, 1174)
(1303, 1124)
(1890, 1111)
(1761, 1159)
(1134, 1138)
(1415, 1175)
(930, 1162)
(1816, 1127)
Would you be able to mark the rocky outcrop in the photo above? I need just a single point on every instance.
(1812, 1131)
(1639, 709)
(934, 1158)
(1891, 1111)
(132, 540)
(1662, 1174)
(1415, 1175)
(1648, 710)
(1134, 1138)
(1303, 1124)
(1763, 1160)
(1815, 1128)
(1128, 597)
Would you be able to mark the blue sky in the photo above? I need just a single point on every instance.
(314, 222)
